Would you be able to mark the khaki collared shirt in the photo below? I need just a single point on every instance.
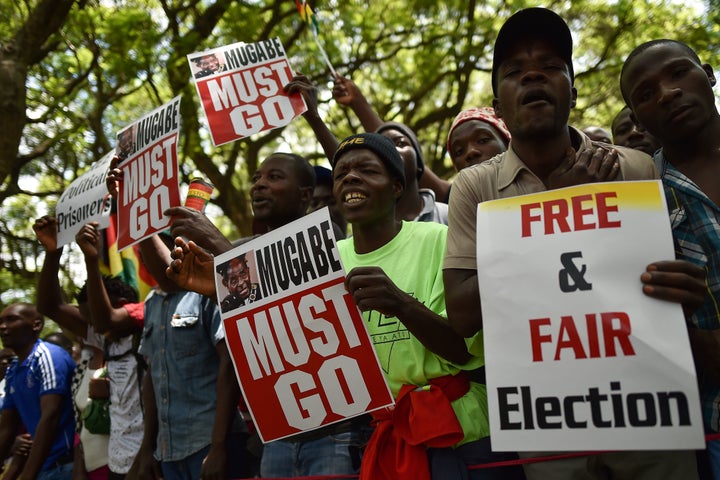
(507, 176)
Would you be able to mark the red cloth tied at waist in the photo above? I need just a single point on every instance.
(422, 418)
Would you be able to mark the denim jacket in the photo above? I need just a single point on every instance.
(179, 338)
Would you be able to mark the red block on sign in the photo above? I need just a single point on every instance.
(244, 102)
(305, 361)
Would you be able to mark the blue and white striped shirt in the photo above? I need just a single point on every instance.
(47, 370)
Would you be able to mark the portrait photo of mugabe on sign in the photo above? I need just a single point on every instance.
(240, 279)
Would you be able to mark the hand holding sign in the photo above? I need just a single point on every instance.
(194, 225)
(302, 84)
(192, 268)
(676, 281)
(114, 177)
(372, 289)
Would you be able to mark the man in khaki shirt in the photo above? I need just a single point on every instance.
(532, 80)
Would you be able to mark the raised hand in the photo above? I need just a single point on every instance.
(345, 92)
(88, 239)
(192, 268)
(194, 225)
(45, 229)
(302, 84)
(114, 177)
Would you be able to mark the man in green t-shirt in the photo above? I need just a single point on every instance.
(403, 303)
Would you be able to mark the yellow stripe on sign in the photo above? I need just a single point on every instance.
(639, 195)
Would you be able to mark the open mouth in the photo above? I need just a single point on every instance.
(354, 197)
(535, 96)
(260, 201)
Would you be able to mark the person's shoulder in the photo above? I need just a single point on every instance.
(475, 175)
(45, 350)
(418, 230)
(635, 165)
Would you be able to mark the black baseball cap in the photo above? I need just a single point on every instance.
(533, 23)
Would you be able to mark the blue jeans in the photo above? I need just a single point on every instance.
(336, 454)
(189, 467)
(453, 463)
(713, 450)
(186, 469)
(59, 472)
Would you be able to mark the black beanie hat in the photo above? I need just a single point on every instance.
(407, 131)
(381, 146)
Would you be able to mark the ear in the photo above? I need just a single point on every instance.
(37, 324)
(497, 107)
(709, 71)
(306, 195)
(398, 189)
(573, 91)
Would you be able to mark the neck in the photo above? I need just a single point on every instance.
(276, 223)
(542, 155)
(410, 203)
(701, 147)
(24, 351)
(368, 238)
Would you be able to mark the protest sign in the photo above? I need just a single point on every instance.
(148, 158)
(299, 344)
(577, 356)
(85, 200)
(241, 89)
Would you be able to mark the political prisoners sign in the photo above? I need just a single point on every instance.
(85, 200)
(577, 357)
(241, 89)
(148, 158)
(299, 345)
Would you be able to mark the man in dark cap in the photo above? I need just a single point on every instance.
(532, 80)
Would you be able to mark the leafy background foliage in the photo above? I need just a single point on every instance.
(73, 72)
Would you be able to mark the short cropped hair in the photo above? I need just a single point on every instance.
(304, 172)
(645, 46)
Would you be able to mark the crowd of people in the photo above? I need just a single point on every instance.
(136, 405)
